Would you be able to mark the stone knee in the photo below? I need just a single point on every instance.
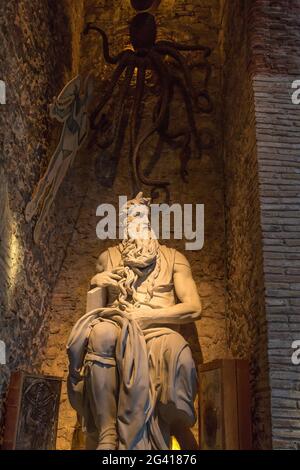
(103, 338)
(177, 399)
(174, 342)
(186, 360)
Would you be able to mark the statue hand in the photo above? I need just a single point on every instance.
(142, 317)
(106, 279)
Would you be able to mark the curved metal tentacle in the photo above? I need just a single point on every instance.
(119, 111)
(107, 57)
(203, 93)
(171, 51)
(171, 138)
(161, 134)
(155, 193)
(166, 50)
(119, 127)
(103, 125)
(185, 156)
(156, 155)
(116, 75)
(190, 114)
(179, 138)
(157, 108)
(162, 72)
(167, 135)
(136, 114)
(139, 91)
(186, 47)
(207, 67)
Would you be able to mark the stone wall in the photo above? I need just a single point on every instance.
(34, 35)
(185, 21)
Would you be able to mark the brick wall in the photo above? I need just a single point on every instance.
(276, 63)
(260, 41)
(246, 321)
(278, 143)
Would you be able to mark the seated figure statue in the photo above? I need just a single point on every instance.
(132, 379)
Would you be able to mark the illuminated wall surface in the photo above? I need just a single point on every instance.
(248, 271)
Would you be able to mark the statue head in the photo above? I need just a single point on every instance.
(139, 248)
(135, 218)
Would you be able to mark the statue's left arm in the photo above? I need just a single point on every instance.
(189, 307)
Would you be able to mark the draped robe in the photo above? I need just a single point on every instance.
(157, 375)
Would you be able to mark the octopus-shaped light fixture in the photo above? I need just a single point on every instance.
(169, 67)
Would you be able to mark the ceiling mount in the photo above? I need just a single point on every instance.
(142, 5)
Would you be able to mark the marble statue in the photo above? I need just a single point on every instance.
(132, 378)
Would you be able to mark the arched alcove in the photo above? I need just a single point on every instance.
(45, 284)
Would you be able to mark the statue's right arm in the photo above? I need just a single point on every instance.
(97, 295)
(101, 266)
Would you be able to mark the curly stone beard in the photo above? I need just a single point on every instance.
(140, 260)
